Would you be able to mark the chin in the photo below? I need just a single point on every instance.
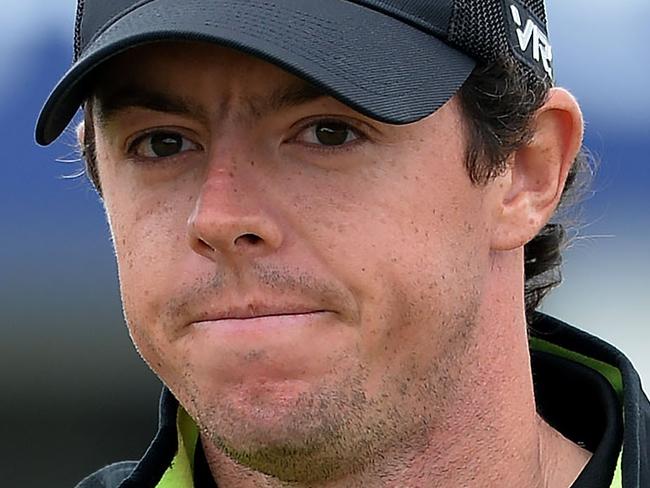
(254, 426)
(266, 413)
(283, 449)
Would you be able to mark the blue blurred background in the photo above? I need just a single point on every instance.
(74, 393)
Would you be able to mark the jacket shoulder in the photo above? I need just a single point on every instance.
(109, 477)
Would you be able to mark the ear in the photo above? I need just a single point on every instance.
(530, 191)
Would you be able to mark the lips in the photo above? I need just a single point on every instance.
(257, 310)
(253, 322)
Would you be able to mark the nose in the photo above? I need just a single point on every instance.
(230, 219)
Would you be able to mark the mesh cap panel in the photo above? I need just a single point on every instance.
(478, 27)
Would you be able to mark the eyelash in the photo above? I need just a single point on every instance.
(132, 146)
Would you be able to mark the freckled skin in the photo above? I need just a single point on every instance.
(389, 236)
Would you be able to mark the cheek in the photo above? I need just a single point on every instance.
(426, 301)
(427, 281)
(148, 235)
(413, 247)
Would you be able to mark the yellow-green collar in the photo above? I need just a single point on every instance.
(180, 473)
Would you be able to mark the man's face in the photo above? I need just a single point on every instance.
(304, 279)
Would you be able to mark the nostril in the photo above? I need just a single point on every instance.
(248, 239)
(204, 245)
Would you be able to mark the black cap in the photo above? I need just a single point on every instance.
(396, 61)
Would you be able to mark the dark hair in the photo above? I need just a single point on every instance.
(499, 101)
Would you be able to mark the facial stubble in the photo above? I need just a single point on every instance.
(336, 428)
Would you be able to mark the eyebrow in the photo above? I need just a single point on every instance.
(112, 102)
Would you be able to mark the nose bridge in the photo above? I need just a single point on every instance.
(231, 214)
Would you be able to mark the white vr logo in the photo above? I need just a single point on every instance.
(531, 32)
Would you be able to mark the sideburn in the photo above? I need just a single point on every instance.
(88, 149)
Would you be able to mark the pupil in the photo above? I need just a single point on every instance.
(164, 145)
(332, 134)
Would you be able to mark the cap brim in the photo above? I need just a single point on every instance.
(378, 65)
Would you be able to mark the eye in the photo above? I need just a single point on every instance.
(161, 144)
(329, 133)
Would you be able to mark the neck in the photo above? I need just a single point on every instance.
(491, 434)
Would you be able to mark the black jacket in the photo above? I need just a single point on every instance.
(584, 388)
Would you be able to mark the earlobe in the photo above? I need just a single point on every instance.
(538, 172)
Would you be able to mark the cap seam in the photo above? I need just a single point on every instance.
(408, 18)
(77, 29)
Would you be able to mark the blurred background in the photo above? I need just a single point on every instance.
(75, 395)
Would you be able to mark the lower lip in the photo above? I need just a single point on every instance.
(262, 324)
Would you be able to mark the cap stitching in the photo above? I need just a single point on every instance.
(403, 15)
(77, 29)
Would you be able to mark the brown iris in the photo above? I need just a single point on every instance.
(165, 144)
(332, 133)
